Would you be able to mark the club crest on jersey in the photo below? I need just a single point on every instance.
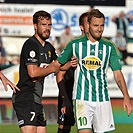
(49, 53)
(32, 54)
(91, 62)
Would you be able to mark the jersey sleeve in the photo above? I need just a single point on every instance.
(114, 61)
(54, 54)
(30, 53)
(66, 54)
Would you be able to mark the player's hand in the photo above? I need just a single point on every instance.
(74, 61)
(128, 105)
(66, 102)
(55, 66)
(6, 82)
(63, 110)
(67, 106)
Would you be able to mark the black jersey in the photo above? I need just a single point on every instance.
(36, 54)
(69, 81)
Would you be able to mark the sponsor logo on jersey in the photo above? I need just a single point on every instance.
(43, 65)
(49, 53)
(32, 54)
(92, 51)
(31, 60)
(91, 62)
(42, 53)
(100, 52)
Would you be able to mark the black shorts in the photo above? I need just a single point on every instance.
(67, 120)
(29, 113)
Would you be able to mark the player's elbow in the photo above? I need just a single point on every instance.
(32, 74)
(32, 71)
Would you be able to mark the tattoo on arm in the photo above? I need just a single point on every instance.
(119, 84)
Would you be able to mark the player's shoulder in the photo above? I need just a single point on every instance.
(48, 43)
(31, 42)
(106, 41)
(79, 38)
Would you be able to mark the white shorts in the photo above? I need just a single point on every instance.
(96, 114)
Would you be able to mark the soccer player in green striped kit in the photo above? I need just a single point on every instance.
(65, 80)
(90, 92)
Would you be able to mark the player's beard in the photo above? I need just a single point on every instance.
(45, 35)
(96, 37)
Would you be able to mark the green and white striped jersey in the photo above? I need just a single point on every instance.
(90, 81)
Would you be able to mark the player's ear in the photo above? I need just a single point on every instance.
(81, 27)
(35, 26)
(88, 25)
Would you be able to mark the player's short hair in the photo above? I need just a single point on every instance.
(95, 13)
(81, 18)
(67, 26)
(40, 15)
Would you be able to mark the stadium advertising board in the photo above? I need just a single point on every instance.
(70, 2)
(16, 19)
(50, 86)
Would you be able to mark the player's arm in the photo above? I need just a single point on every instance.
(6, 82)
(37, 72)
(66, 105)
(72, 63)
(119, 78)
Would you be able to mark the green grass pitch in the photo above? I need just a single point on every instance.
(13, 128)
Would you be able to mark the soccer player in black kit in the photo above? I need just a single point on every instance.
(36, 56)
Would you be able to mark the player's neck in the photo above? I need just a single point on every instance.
(39, 39)
(91, 38)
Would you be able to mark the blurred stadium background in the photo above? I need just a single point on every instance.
(16, 27)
